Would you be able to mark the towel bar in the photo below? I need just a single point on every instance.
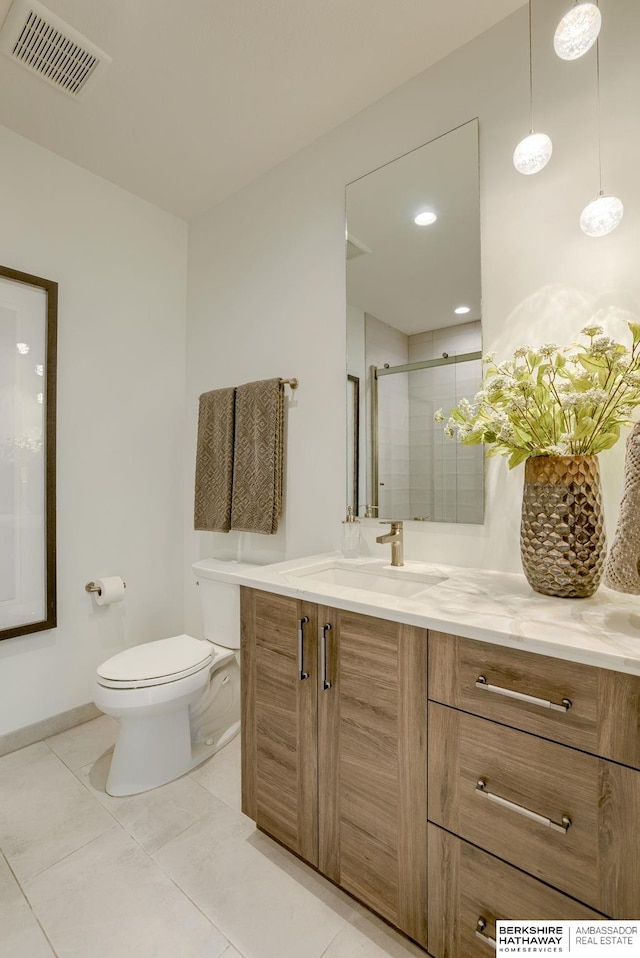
(290, 382)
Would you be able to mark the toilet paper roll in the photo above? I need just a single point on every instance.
(111, 590)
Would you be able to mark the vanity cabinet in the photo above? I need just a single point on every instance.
(533, 772)
(334, 747)
(532, 764)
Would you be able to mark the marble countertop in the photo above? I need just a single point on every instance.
(495, 607)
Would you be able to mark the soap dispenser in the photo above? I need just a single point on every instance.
(350, 535)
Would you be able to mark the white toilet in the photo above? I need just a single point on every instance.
(177, 699)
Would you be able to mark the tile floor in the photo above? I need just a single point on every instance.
(178, 872)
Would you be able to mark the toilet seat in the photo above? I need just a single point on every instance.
(160, 662)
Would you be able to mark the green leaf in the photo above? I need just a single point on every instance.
(591, 363)
(635, 332)
(518, 456)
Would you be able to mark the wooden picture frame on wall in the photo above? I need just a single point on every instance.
(28, 344)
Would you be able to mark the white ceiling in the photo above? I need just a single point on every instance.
(203, 96)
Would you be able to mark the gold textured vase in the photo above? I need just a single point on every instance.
(562, 537)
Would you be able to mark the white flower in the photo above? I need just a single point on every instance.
(488, 358)
(601, 345)
(506, 432)
(592, 329)
(505, 367)
(548, 349)
(580, 400)
(438, 416)
(466, 408)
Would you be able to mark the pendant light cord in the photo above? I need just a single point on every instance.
(598, 117)
(530, 69)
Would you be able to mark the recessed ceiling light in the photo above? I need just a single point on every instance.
(461, 310)
(426, 218)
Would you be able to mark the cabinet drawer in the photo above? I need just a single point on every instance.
(470, 890)
(603, 716)
(570, 819)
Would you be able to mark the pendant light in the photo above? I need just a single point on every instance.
(577, 31)
(604, 213)
(533, 152)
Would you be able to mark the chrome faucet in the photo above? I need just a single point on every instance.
(395, 538)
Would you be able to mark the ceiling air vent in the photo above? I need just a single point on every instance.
(50, 48)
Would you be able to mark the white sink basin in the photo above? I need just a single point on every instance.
(373, 577)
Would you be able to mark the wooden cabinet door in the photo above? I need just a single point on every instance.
(372, 716)
(279, 728)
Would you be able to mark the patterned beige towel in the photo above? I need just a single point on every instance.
(214, 461)
(258, 466)
(622, 569)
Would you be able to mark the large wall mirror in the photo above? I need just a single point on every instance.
(28, 322)
(414, 335)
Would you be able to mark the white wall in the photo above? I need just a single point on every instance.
(121, 268)
(267, 277)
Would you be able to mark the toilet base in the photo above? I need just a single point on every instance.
(152, 752)
(166, 730)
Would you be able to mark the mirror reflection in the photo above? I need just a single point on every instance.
(414, 336)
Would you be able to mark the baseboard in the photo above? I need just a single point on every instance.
(12, 741)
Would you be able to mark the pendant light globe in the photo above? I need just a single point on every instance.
(602, 215)
(532, 153)
(577, 31)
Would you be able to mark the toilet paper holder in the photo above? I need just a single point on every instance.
(92, 587)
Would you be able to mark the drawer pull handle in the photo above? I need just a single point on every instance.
(487, 939)
(481, 789)
(481, 683)
(323, 656)
(301, 669)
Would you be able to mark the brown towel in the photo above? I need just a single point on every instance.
(258, 457)
(214, 461)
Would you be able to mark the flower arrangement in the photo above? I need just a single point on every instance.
(553, 400)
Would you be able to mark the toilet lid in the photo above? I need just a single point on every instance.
(181, 654)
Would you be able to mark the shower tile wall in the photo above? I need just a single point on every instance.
(445, 478)
(421, 473)
(387, 345)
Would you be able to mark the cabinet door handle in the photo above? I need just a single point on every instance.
(487, 939)
(481, 683)
(521, 810)
(301, 669)
(323, 656)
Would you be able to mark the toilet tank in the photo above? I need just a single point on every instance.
(219, 601)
